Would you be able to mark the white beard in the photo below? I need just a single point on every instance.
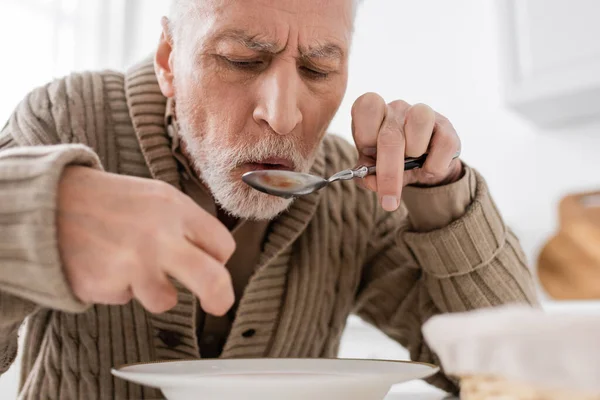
(216, 163)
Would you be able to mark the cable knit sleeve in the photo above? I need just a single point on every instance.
(473, 262)
(42, 137)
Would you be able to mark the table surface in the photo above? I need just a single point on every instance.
(417, 390)
(419, 396)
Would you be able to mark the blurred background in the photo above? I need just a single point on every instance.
(520, 80)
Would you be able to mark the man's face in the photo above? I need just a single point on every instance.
(256, 84)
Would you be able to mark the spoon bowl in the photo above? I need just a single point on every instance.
(285, 184)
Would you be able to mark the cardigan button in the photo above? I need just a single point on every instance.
(249, 333)
(169, 338)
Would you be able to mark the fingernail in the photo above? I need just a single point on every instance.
(389, 203)
(369, 151)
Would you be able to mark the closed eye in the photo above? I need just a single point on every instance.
(313, 73)
(250, 65)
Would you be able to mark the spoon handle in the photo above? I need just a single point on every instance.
(413, 163)
(409, 163)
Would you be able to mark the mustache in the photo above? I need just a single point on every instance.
(265, 148)
(248, 148)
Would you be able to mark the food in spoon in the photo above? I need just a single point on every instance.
(280, 181)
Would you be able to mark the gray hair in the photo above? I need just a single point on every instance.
(182, 8)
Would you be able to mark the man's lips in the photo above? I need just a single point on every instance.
(271, 163)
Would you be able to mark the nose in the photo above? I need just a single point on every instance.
(278, 99)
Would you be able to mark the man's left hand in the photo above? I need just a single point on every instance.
(387, 133)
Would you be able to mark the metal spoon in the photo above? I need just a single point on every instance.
(288, 184)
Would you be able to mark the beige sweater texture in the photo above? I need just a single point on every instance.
(334, 253)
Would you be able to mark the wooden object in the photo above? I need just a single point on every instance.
(569, 264)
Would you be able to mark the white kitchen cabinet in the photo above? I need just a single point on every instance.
(550, 59)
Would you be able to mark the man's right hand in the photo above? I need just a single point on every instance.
(122, 237)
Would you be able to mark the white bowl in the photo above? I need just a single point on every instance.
(275, 379)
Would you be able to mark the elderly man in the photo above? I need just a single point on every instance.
(127, 235)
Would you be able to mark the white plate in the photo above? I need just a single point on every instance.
(275, 379)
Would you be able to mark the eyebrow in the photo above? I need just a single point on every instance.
(328, 50)
(255, 43)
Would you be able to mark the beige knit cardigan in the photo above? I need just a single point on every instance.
(333, 253)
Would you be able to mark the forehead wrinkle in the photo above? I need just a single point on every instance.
(256, 43)
(253, 42)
